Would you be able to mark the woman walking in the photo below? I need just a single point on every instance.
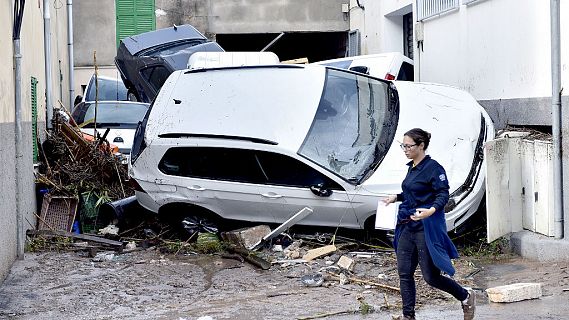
(420, 235)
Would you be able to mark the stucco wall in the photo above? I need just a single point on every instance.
(380, 24)
(253, 16)
(94, 30)
(498, 49)
(32, 66)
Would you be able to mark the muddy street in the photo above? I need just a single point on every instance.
(150, 285)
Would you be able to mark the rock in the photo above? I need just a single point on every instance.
(343, 279)
(514, 292)
(246, 237)
(130, 246)
(346, 263)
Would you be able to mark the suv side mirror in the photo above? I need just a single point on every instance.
(320, 190)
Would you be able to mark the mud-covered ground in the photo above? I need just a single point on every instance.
(150, 285)
(147, 284)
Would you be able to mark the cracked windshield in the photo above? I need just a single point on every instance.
(347, 129)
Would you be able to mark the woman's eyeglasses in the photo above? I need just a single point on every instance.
(407, 146)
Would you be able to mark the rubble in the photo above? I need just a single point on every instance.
(346, 263)
(319, 252)
(514, 292)
(246, 237)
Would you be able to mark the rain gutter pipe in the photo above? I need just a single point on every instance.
(19, 159)
(556, 117)
(70, 54)
(47, 59)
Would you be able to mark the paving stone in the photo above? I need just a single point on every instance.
(514, 292)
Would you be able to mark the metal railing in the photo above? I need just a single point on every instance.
(430, 8)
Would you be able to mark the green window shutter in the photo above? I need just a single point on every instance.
(34, 91)
(134, 17)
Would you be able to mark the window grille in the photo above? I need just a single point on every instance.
(430, 8)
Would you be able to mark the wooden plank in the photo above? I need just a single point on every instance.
(74, 236)
(319, 252)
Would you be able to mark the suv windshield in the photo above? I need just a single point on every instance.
(354, 125)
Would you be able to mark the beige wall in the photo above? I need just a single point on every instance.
(32, 66)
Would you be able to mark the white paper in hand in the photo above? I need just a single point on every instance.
(386, 215)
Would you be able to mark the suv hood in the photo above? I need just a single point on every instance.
(455, 130)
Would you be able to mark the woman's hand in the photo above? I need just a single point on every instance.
(423, 213)
(390, 199)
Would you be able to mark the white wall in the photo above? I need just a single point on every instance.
(495, 49)
(380, 24)
(31, 47)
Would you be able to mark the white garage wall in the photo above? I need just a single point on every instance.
(495, 49)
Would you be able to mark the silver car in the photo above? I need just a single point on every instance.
(260, 143)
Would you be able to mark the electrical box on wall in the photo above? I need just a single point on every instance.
(345, 8)
(419, 36)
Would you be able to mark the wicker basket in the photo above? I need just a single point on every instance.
(57, 213)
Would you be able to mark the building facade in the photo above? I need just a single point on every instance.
(315, 30)
(33, 111)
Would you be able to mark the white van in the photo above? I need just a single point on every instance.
(388, 66)
(207, 60)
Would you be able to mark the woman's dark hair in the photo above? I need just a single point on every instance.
(419, 136)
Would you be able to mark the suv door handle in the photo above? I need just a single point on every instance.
(272, 195)
(196, 188)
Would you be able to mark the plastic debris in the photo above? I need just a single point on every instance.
(110, 229)
(312, 280)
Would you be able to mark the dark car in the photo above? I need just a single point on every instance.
(146, 60)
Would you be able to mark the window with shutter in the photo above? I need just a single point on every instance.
(134, 17)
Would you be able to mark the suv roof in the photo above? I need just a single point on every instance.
(206, 60)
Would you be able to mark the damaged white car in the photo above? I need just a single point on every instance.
(260, 143)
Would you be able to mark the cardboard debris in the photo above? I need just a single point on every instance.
(319, 252)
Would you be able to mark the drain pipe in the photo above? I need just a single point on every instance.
(556, 118)
(47, 61)
(70, 54)
(20, 238)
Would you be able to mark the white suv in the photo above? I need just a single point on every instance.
(260, 143)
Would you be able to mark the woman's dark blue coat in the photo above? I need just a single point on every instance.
(426, 186)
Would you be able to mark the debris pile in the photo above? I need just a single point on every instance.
(73, 163)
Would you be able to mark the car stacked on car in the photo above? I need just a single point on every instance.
(259, 143)
(146, 60)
